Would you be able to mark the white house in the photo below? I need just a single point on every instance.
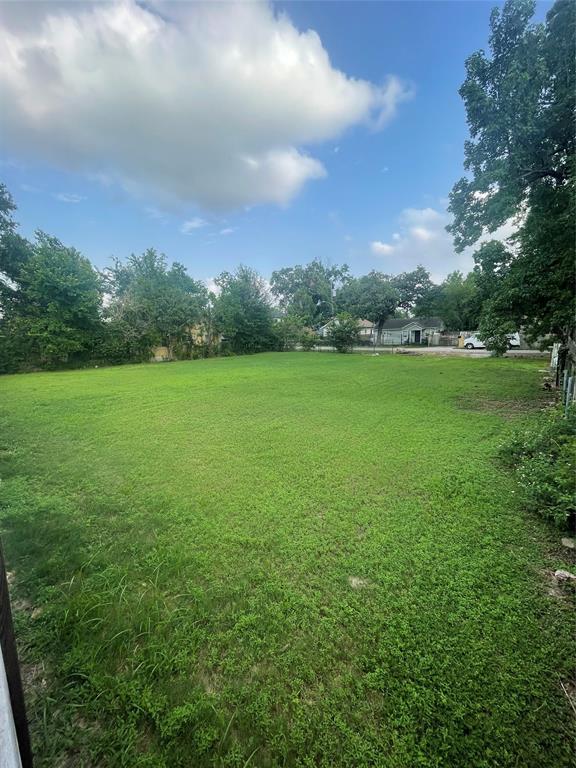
(398, 330)
(365, 329)
(411, 330)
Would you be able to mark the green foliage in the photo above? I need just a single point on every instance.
(520, 104)
(243, 311)
(308, 291)
(51, 306)
(371, 297)
(308, 340)
(344, 332)
(543, 455)
(494, 331)
(412, 287)
(288, 331)
(154, 304)
(456, 300)
(185, 537)
(7, 208)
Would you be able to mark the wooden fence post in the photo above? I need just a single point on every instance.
(12, 667)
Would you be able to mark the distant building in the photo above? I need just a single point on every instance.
(398, 330)
(365, 329)
(411, 330)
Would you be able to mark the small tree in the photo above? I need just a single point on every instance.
(242, 311)
(288, 332)
(343, 332)
(308, 340)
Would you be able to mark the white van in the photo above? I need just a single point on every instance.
(473, 342)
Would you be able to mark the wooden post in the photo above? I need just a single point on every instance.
(12, 667)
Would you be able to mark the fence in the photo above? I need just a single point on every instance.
(14, 739)
(563, 367)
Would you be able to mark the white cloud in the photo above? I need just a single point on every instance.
(422, 233)
(381, 249)
(423, 239)
(67, 197)
(227, 230)
(189, 226)
(211, 103)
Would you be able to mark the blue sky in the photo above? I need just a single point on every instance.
(367, 187)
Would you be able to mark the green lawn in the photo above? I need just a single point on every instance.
(282, 560)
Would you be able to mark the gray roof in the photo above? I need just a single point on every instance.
(397, 323)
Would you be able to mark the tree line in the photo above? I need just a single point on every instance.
(57, 309)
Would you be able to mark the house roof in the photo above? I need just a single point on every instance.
(361, 323)
(398, 323)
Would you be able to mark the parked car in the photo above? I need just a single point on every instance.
(473, 342)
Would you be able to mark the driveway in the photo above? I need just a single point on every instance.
(445, 351)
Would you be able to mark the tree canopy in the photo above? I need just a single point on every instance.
(50, 304)
(457, 300)
(243, 311)
(520, 103)
(372, 297)
(154, 303)
(308, 291)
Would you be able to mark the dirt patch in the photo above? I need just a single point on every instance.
(357, 583)
(506, 408)
(557, 586)
(33, 677)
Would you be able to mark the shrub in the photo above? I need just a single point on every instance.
(343, 332)
(542, 457)
(308, 340)
(287, 331)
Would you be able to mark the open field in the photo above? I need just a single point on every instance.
(282, 560)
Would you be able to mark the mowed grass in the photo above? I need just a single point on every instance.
(282, 560)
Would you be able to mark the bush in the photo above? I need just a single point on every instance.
(287, 332)
(308, 340)
(344, 332)
(542, 457)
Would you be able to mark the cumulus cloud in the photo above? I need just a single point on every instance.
(209, 103)
(227, 230)
(422, 239)
(381, 249)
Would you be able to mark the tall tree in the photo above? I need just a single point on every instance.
(521, 103)
(50, 304)
(457, 300)
(308, 291)
(412, 287)
(153, 303)
(243, 311)
(372, 297)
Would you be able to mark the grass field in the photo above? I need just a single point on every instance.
(282, 560)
